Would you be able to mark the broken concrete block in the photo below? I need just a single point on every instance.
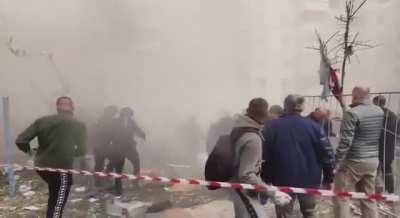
(133, 209)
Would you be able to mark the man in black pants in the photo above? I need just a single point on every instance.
(387, 144)
(61, 138)
(124, 145)
(101, 140)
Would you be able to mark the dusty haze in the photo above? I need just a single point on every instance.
(178, 61)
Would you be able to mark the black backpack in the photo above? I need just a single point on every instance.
(220, 163)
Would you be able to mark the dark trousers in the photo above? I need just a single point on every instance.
(59, 187)
(133, 156)
(116, 165)
(389, 178)
(99, 162)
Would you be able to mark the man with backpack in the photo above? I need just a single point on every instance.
(240, 159)
(296, 152)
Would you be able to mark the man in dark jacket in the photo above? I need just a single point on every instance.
(61, 138)
(387, 142)
(124, 145)
(296, 152)
(101, 138)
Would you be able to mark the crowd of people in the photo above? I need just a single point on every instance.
(62, 138)
(295, 151)
(271, 146)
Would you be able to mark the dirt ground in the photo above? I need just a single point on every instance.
(83, 205)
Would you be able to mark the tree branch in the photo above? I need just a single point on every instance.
(358, 8)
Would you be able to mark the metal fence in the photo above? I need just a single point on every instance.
(392, 103)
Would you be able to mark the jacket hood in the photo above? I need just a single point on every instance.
(246, 121)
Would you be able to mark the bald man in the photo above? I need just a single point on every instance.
(358, 152)
(319, 115)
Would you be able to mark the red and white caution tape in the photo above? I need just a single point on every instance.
(308, 191)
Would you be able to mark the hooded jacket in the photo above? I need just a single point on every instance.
(248, 153)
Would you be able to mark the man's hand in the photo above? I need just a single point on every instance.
(281, 198)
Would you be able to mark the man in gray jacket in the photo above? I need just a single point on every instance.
(357, 153)
(248, 161)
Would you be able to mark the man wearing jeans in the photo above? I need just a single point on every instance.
(61, 138)
(357, 153)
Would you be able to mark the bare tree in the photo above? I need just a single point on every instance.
(347, 42)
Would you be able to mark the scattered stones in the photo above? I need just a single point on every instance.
(80, 189)
(29, 194)
(32, 208)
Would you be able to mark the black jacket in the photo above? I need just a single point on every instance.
(387, 142)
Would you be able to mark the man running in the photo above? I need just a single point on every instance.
(61, 138)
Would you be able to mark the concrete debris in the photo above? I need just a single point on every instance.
(29, 194)
(133, 209)
(80, 189)
(355, 210)
(75, 200)
(160, 206)
(32, 208)
(24, 188)
(92, 200)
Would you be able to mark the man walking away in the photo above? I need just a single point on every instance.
(296, 152)
(248, 160)
(387, 143)
(357, 153)
(124, 145)
(101, 140)
(61, 138)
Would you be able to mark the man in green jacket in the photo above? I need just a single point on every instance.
(61, 138)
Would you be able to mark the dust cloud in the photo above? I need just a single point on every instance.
(178, 61)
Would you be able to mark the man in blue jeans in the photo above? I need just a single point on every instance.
(296, 152)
